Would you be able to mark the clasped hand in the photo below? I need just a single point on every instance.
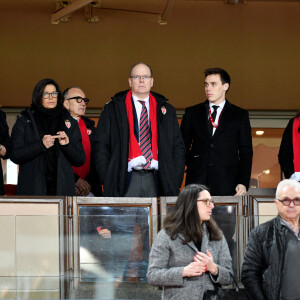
(49, 140)
(202, 263)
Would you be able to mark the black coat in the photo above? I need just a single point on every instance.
(223, 160)
(286, 151)
(92, 178)
(264, 260)
(4, 141)
(28, 150)
(112, 148)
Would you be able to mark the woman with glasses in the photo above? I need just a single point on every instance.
(190, 253)
(46, 142)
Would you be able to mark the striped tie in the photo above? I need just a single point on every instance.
(145, 140)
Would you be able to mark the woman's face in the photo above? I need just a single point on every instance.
(204, 210)
(48, 101)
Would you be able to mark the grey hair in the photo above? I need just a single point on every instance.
(66, 91)
(287, 182)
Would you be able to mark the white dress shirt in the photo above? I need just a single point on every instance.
(221, 106)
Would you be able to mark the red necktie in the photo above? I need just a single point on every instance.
(145, 139)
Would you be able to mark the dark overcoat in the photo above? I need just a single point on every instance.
(112, 148)
(4, 141)
(28, 150)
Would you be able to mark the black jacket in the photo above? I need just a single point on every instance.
(92, 178)
(112, 148)
(4, 141)
(264, 260)
(223, 160)
(286, 152)
(28, 150)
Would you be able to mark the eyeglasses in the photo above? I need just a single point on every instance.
(288, 201)
(46, 95)
(139, 77)
(79, 99)
(207, 201)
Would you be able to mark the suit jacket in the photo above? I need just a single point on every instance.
(168, 258)
(223, 160)
(111, 148)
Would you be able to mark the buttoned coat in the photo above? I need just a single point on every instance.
(111, 148)
(223, 160)
(168, 258)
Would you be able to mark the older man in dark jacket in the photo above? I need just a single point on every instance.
(139, 148)
(271, 266)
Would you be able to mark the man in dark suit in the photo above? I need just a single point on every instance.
(217, 137)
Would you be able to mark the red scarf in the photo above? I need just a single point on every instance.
(84, 170)
(135, 156)
(296, 144)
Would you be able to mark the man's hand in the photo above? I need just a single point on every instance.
(83, 187)
(240, 190)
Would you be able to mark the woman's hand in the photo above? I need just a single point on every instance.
(208, 260)
(63, 139)
(195, 268)
(48, 140)
(105, 233)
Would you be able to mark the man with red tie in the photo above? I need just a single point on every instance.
(139, 147)
(217, 137)
(86, 179)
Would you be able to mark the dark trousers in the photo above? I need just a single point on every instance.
(142, 184)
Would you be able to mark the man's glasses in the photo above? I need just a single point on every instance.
(139, 77)
(288, 201)
(207, 201)
(79, 99)
(46, 95)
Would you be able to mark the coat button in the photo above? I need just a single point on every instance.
(212, 145)
(210, 164)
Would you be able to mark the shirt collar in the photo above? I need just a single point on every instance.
(136, 99)
(221, 105)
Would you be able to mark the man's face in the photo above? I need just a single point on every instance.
(214, 89)
(141, 87)
(291, 212)
(76, 109)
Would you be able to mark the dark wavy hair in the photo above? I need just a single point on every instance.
(185, 217)
(39, 90)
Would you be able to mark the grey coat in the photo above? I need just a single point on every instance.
(169, 257)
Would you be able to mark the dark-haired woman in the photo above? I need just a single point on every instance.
(289, 152)
(46, 142)
(190, 252)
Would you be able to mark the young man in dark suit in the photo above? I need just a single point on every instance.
(217, 137)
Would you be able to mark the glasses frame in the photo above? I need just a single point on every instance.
(207, 201)
(52, 95)
(289, 201)
(139, 77)
(77, 98)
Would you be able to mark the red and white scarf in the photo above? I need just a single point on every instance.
(135, 157)
(296, 144)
